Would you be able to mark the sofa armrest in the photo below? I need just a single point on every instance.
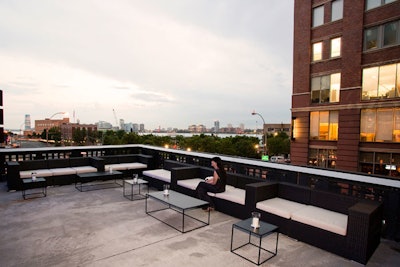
(182, 173)
(256, 192)
(97, 163)
(363, 230)
(146, 159)
(13, 178)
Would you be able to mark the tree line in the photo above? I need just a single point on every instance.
(238, 145)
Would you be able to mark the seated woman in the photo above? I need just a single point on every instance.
(214, 184)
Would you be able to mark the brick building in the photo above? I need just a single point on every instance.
(41, 125)
(346, 85)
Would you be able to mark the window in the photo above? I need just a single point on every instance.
(337, 10)
(317, 51)
(325, 88)
(382, 36)
(336, 47)
(370, 4)
(324, 125)
(325, 158)
(380, 125)
(380, 163)
(371, 38)
(318, 16)
(391, 30)
(381, 82)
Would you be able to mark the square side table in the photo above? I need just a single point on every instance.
(263, 231)
(130, 184)
(29, 184)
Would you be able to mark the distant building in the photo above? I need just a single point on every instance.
(27, 122)
(216, 126)
(47, 124)
(103, 126)
(67, 129)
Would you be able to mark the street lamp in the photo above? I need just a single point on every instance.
(264, 132)
(47, 130)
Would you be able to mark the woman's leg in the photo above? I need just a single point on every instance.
(202, 189)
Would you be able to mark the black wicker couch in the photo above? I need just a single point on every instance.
(364, 219)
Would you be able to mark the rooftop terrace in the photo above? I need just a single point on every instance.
(102, 228)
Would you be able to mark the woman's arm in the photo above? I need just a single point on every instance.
(215, 178)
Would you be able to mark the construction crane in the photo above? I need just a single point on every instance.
(116, 120)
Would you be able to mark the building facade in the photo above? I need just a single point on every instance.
(346, 85)
(47, 124)
(67, 130)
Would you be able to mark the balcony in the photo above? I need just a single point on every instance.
(103, 228)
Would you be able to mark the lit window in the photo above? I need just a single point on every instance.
(336, 47)
(325, 88)
(318, 16)
(325, 158)
(324, 125)
(337, 10)
(317, 51)
(380, 82)
(380, 125)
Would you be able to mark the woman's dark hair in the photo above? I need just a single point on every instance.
(218, 161)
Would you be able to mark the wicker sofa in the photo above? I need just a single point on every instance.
(343, 225)
(234, 201)
(158, 177)
(55, 171)
(128, 164)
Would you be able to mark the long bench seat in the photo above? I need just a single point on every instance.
(158, 177)
(346, 226)
(233, 201)
(55, 171)
(129, 164)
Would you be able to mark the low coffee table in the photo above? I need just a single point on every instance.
(264, 230)
(132, 195)
(180, 203)
(28, 184)
(84, 178)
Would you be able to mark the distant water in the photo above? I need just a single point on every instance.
(221, 135)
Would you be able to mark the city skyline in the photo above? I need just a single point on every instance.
(164, 64)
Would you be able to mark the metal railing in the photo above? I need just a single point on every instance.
(358, 185)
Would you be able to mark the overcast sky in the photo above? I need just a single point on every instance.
(164, 63)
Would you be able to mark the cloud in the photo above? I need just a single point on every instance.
(156, 62)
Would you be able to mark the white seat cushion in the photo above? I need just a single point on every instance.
(279, 206)
(39, 173)
(134, 165)
(63, 171)
(234, 195)
(159, 174)
(115, 167)
(125, 166)
(190, 183)
(227, 188)
(84, 169)
(321, 218)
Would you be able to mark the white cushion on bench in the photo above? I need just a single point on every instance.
(159, 174)
(280, 207)
(63, 171)
(125, 166)
(39, 173)
(321, 218)
(190, 183)
(84, 169)
(233, 194)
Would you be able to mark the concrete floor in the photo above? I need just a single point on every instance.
(102, 228)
